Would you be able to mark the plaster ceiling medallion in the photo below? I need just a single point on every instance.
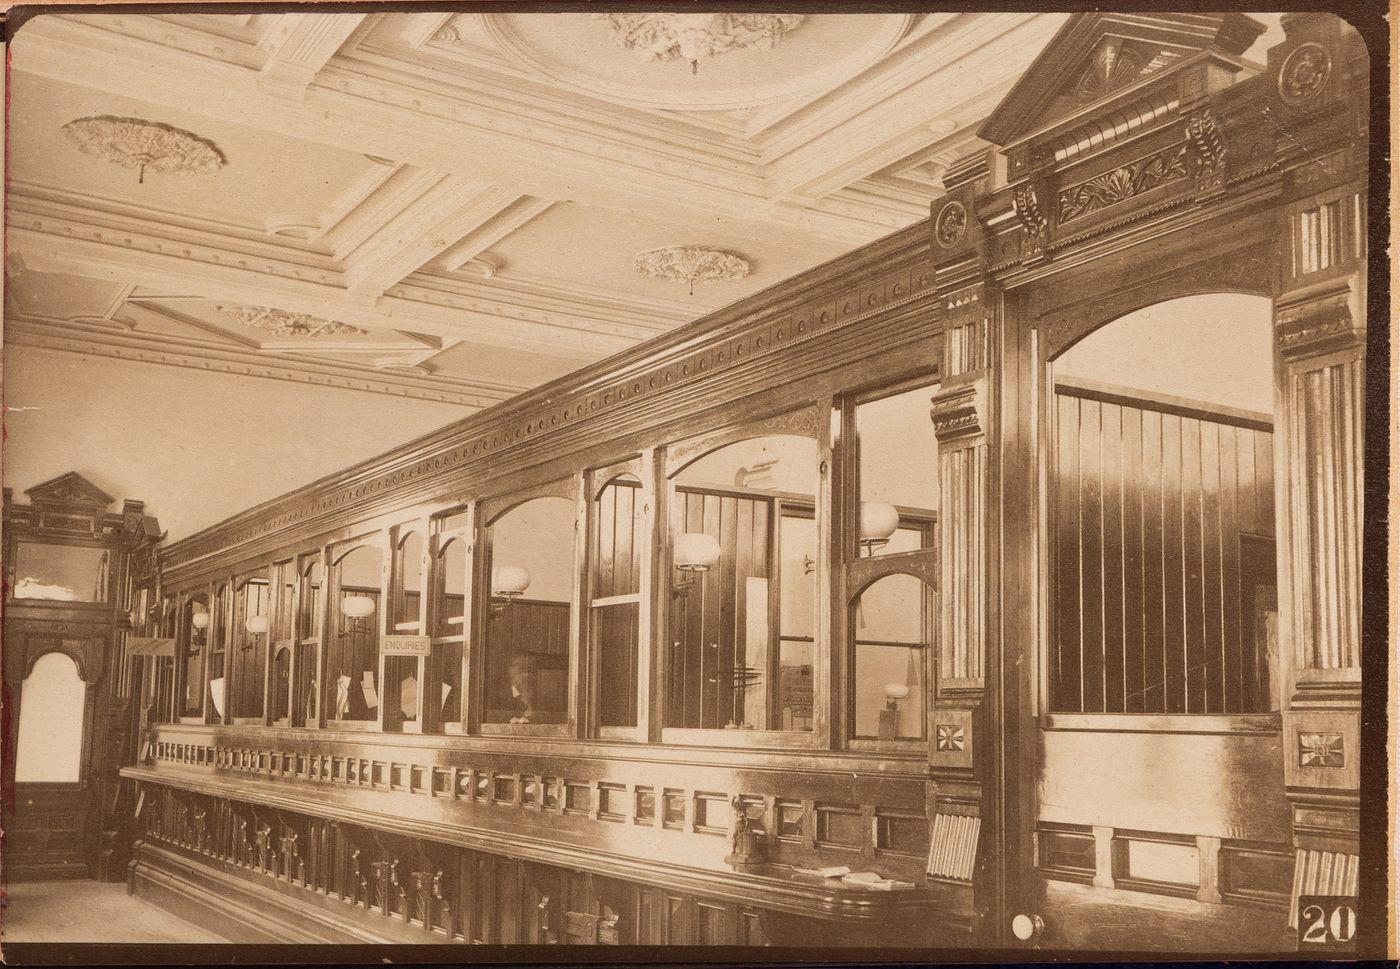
(691, 36)
(691, 264)
(631, 58)
(139, 144)
(286, 323)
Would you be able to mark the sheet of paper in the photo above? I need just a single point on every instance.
(216, 693)
(342, 696)
(367, 688)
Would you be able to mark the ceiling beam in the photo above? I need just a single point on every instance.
(301, 45)
(503, 223)
(446, 213)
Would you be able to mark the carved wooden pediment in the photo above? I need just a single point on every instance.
(1098, 58)
(70, 489)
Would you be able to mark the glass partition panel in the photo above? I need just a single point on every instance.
(308, 637)
(282, 641)
(410, 583)
(615, 597)
(401, 673)
(743, 537)
(897, 460)
(449, 611)
(530, 577)
(218, 656)
(164, 698)
(892, 630)
(352, 667)
(51, 714)
(65, 573)
(195, 637)
(250, 633)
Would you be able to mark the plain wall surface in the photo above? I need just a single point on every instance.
(195, 447)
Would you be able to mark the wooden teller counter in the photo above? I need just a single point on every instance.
(885, 607)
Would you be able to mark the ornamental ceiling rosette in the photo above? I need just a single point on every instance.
(140, 144)
(691, 36)
(691, 264)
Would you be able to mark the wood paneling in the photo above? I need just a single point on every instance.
(1154, 507)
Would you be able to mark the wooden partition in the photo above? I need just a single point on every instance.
(701, 819)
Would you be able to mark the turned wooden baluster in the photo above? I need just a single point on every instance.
(291, 862)
(421, 901)
(358, 884)
(544, 924)
(444, 909)
(241, 850)
(266, 861)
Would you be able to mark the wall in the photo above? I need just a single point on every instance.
(1217, 348)
(196, 447)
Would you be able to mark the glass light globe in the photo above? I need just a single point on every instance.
(878, 520)
(357, 607)
(696, 552)
(510, 580)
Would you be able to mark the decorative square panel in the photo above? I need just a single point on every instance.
(949, 737)
(951, 733)
(1321, 750)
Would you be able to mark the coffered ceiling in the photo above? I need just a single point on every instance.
(448, 205)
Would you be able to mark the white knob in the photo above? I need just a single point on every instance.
(1027, 927)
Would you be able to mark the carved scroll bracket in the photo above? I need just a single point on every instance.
(1210, 151)
(1034, 225)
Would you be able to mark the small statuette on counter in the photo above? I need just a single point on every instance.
(745, 846)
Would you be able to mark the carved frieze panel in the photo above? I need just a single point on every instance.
(1122, 183)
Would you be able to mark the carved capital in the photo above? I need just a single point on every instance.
(959, 413)
(1319, 319)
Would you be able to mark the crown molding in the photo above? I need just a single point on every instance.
(92, 340)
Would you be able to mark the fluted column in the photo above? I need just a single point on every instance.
(1319, 328)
